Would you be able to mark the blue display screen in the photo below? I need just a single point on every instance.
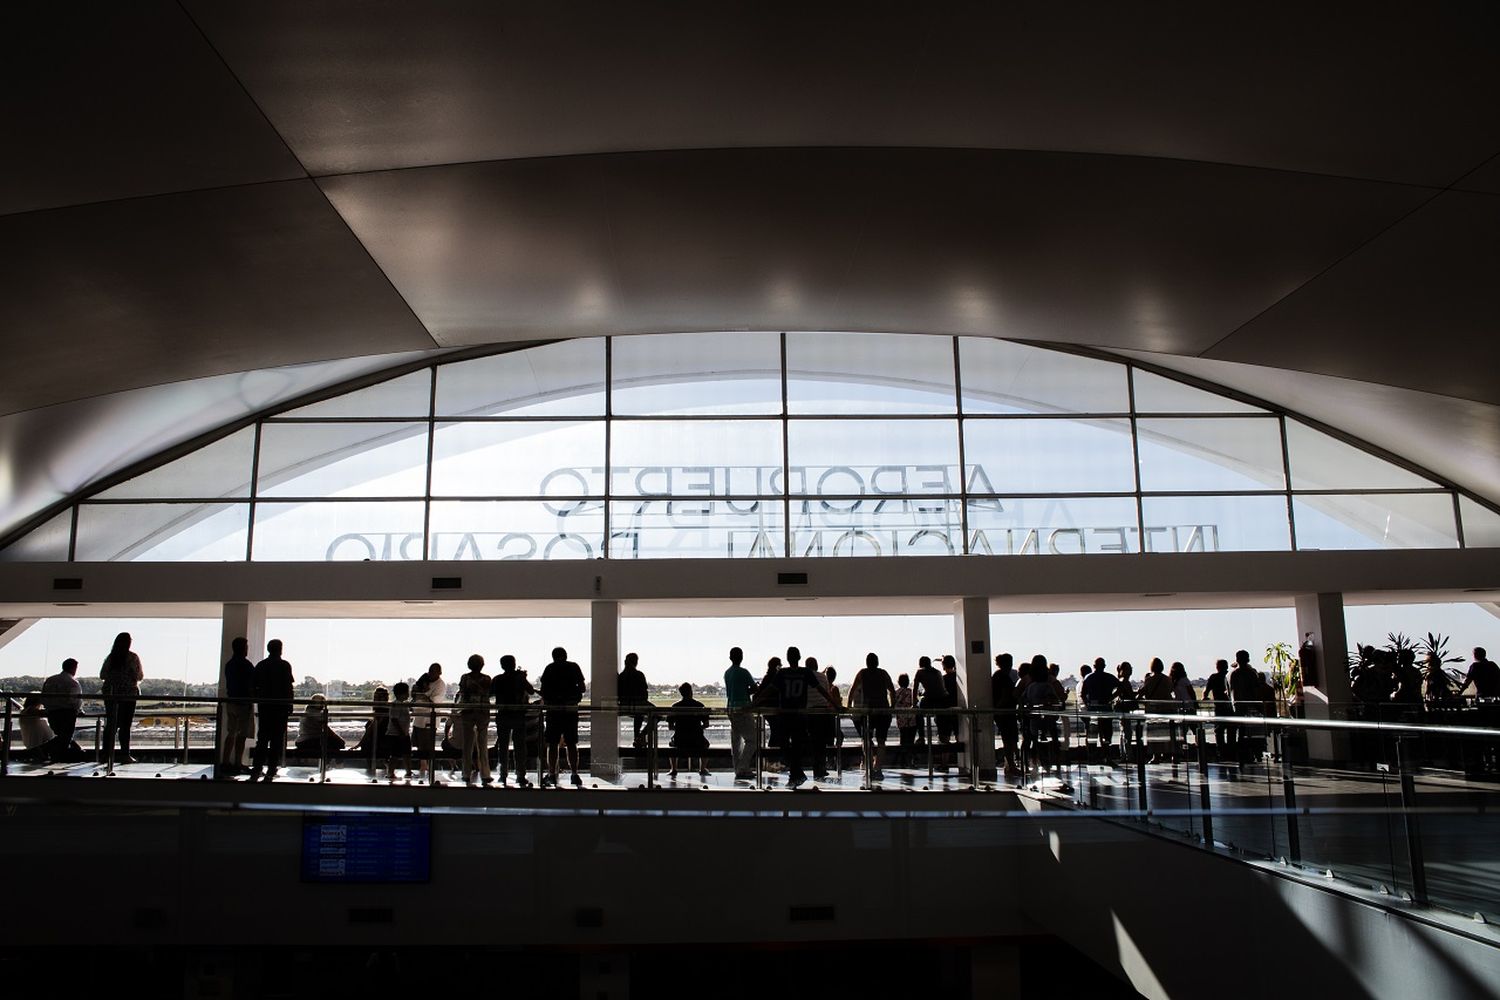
(366, 847)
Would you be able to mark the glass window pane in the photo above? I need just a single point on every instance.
(1481, 525)
(408, 396)
(162, 532)
(696, 374)
(1053, 526)
(220, 469)
(529, 458)
(858, 457)
(333, 532)
(696, 528)
(1208, 454)
(869, 373)
(695, 457)
(1001, 377)
(1375, 521)
(565, 379)
(1048, 456)
(1154, 394)
(1216, 524)
(45, 543)
(333, 460)
(886, 526)
(570, 529)
(1320, 462)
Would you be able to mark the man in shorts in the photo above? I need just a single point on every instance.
(872, 691)
(562, 690)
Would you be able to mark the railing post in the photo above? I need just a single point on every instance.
(541, 746)
(651, 746)
(927, 733)
(867, 743)
(1204, 801)
(1415, 858)
(1289, 799)
(1140, 767)
(323, 747)
(5, 747)
(760, 762)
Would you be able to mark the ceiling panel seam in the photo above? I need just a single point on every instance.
(321, 193)
(1323, 271)
(1425, 202)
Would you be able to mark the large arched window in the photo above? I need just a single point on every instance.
(749, 445)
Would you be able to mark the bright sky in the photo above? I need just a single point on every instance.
(695, 649)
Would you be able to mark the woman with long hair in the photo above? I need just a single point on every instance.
(122, 677)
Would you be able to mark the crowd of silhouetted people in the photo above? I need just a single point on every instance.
(792, 714)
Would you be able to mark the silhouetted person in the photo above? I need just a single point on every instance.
(794, 683)
(1156, 689)
(398, 732)
(928, 687)
(473, 712)
(562, 690)
(632, 692)
(239, 708)
(314, 738)
(1244, 688)
(947, 725)
(1437, 685)
(1125, 703)
(62, 697)
(765, 696)
(1217, 689)
(738, 687)
(424, 719)
(513, 692)
(819, 719)
(1003, 698)
(1187, 703)
(1097, 693)
(272, 685)
(825, 720)
(688, 721)
(1039, 695)
(903, 701)
(1484, 675)
(122, 676)
(873, 692)
(36, 734)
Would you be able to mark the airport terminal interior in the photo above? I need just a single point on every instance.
(640, 499)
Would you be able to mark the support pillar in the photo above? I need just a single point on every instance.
(1321, 617)
(971, 645)
(604, 664)
(249, 621)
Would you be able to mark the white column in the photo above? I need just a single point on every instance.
(1321, 617)
(971, 645)
(243, 620)
(604, 662)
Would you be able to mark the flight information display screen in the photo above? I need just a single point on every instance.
(366, 847)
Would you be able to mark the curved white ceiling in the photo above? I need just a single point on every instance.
(206, 189)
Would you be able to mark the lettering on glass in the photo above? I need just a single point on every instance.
(713, 511)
